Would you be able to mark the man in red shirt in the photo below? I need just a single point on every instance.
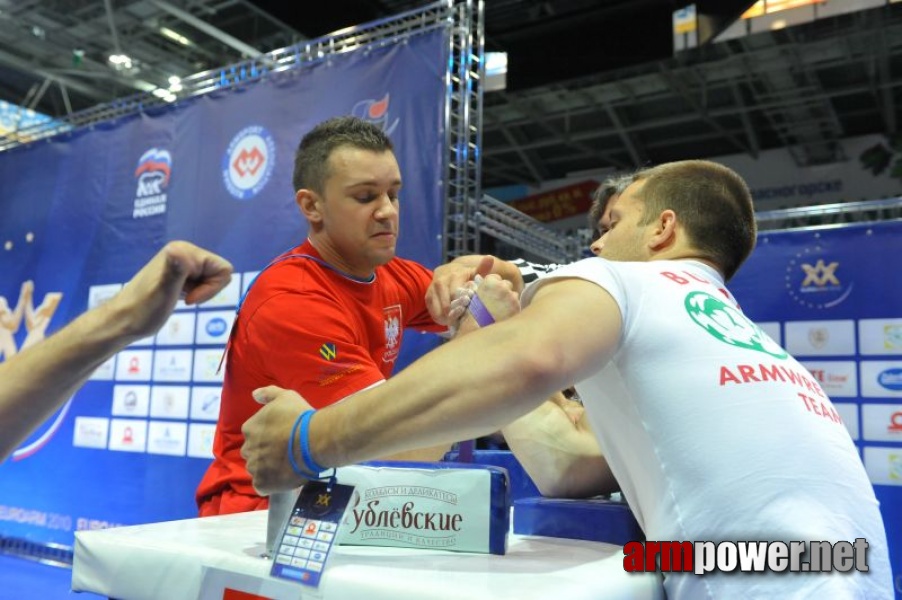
(326, 318)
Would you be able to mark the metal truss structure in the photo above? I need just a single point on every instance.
(463, 102)
(804, 87)
(371, 35)
(830, 215)
(505, 223)
(463, 118)
(531, 236)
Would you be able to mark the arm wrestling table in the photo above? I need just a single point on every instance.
(179, 560)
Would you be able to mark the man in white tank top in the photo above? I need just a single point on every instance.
(713, 432)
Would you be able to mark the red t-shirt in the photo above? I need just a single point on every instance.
(307, 327)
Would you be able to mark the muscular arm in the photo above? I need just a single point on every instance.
(39, 379)
(35, 382)
(431, 454)
(502, 303)
(559, 452)
(468, 388)
(560, 455)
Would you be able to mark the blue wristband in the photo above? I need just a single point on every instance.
(479, 312)
(294, 464)
(310, 464)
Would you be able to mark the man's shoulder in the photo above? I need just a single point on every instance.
(287, 273)
(288, 282)
(635, 278)
(404, 268)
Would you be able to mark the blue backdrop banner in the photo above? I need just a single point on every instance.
(82, 213)
(833, 299)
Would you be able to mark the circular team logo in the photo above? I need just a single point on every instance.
(816, 280)
(248, 162)
(729, 325)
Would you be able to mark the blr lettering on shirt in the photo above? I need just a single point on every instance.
(689, 277)
(762, 373)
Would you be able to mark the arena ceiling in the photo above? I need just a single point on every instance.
(592, 84)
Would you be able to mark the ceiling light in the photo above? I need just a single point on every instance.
(175, 36)
(495, 71)
(144, 85)
(174, 79)
(120, 61)
(495, 62)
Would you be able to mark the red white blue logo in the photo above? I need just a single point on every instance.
(152, 173)
(376, 112)
(41, 438)
(248, 162)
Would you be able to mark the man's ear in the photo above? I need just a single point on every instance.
(309, 203)
(665, 230)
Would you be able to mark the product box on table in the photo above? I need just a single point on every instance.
(442, 506)
(594, 519)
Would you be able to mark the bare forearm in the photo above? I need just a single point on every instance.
(561, 457)
(444, 402)
(432, 454)
(476, 384)
(470, 387)
(37, 381)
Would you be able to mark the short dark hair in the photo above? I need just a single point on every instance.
(711, 201)
(312, 156)
(610, 187)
